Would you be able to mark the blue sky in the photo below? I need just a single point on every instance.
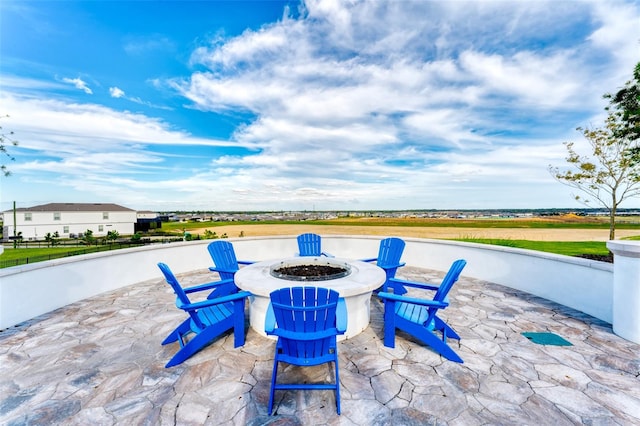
(325, 105)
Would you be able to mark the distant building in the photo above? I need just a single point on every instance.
(69, 220)
(147, 220)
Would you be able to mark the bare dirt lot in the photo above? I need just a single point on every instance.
(534, 234)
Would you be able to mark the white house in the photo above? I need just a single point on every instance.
(69, 220)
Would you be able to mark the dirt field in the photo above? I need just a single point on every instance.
(426, 232)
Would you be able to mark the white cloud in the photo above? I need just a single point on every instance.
(619, 31)
(405, 104)
(116, 92)
(79, 84)
(451, 89)
(52, 125)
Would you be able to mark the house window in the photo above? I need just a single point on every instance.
(65, 229)
(27, 217)
(105, 215)
(100, 228)
(56, 216)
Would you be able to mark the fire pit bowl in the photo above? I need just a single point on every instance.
(310, 270)
(352, 279)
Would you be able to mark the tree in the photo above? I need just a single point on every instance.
(6, 138)
(17, 239)
(625, 103)
(52, 239)
(608, 175)
(112, 236)
(88, 237)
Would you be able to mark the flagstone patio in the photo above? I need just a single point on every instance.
(100, 362)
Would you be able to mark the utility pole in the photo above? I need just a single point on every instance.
(15, 227)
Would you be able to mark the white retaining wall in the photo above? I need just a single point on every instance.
(31, 290)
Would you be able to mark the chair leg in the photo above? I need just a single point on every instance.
(177, 334)
(273, 383)
(446, 330)
(389, 324)
(438, 345)
(199, 341)
(337, 385)
(238, 323)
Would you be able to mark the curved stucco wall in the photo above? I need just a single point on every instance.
(31, 290)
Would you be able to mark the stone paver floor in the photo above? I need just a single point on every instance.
(100, 362)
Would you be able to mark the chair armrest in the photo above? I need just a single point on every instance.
(270, 320)
(217, 301)
(370, 259)
(305, 335)
(207, 286)
(324, 253)
(246, 262)
(230, 271)
(215, 269)
(341, 316)
(415, 284)
(399, 265)
(412, 300)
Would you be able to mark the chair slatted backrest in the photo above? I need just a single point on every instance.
(309, 244)
(181, 297)
(306, 319)
(389, 255)
(224, 257)
(449, 280)
(390, 251)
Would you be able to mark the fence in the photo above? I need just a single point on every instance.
(88, 249)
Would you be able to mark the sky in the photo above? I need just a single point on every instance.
(312, 105)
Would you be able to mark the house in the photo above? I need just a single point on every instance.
(69, 220)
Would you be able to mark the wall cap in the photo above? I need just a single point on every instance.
(624, 248)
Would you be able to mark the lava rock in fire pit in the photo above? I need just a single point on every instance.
(310, 272)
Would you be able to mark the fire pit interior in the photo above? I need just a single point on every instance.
(310, 271)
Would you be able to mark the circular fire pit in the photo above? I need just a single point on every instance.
(352, 279)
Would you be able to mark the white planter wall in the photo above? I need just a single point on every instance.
(31, 290)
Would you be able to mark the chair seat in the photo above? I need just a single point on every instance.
(213, 315)
(414, 313)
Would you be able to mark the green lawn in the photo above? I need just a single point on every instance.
(21, 256)
(567, 248)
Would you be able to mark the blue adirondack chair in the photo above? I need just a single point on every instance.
(418, 316)
(226, 265)
(311, 245)
(306, 321)
(207, 319)
(388, 259)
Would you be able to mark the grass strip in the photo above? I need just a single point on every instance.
(567, 248)
(21, 256)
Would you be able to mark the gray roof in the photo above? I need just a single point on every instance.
(74, 207)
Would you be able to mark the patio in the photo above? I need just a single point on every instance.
(99, 361)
